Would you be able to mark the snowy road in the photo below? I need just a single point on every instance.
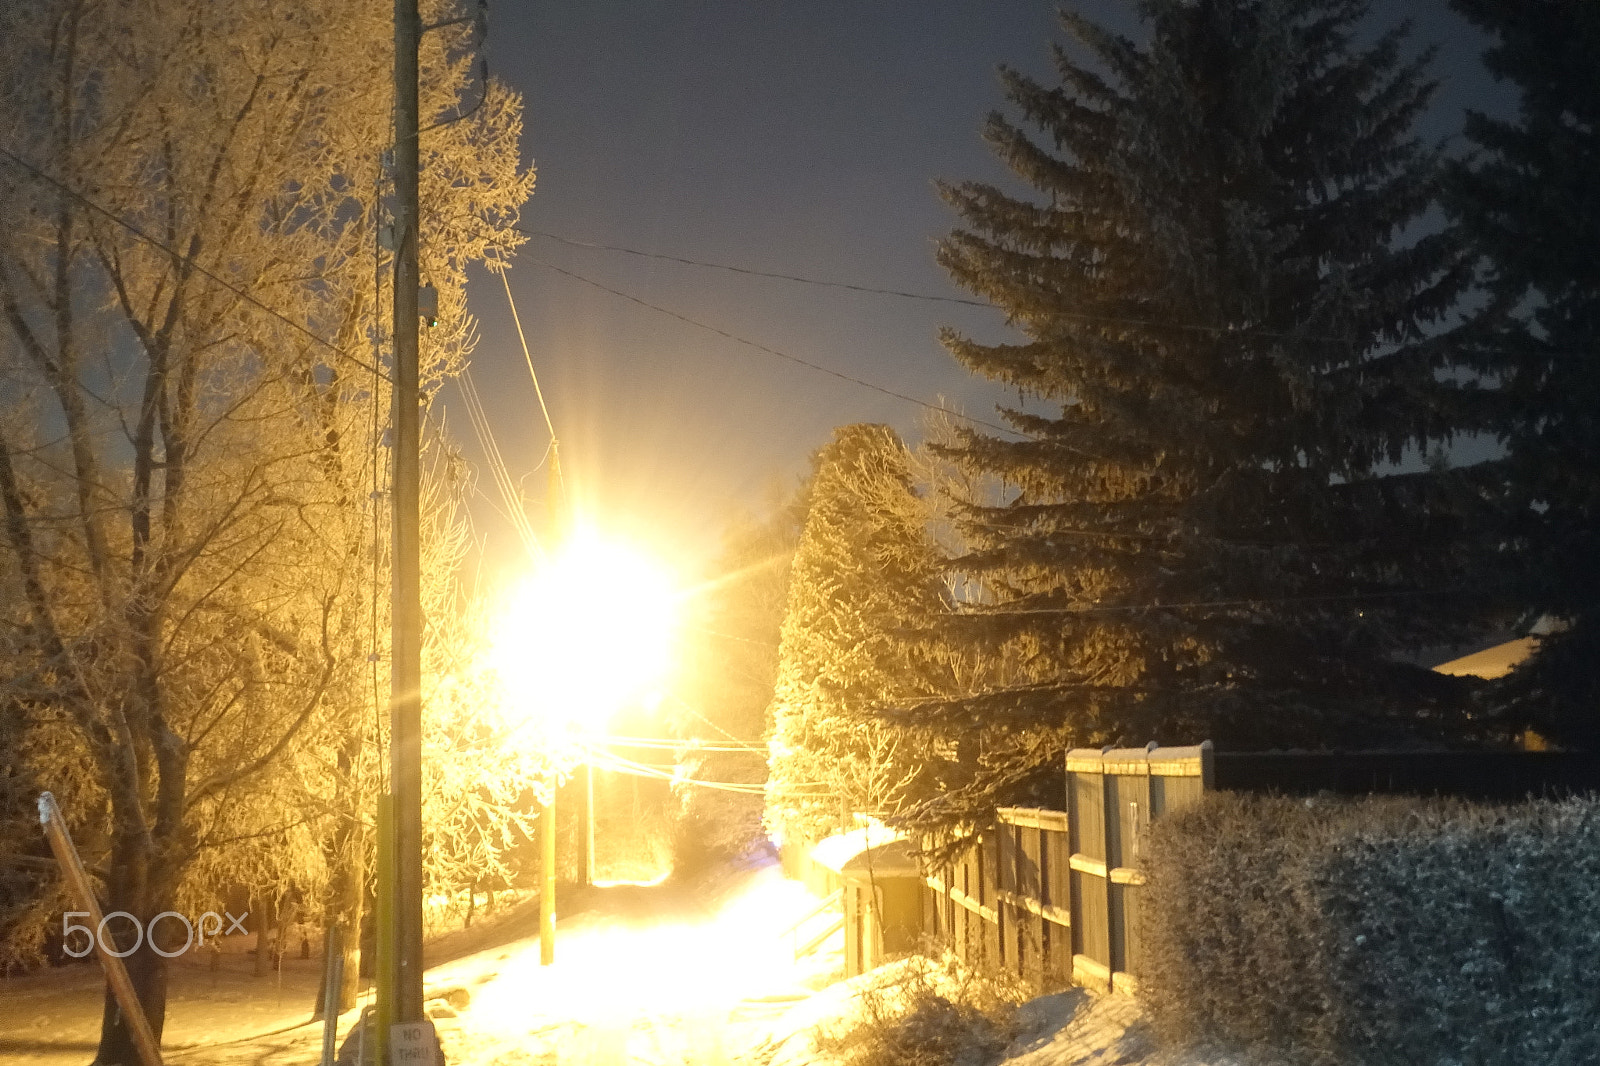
(646, 975)
(658, 975)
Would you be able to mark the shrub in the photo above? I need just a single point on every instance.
(1377, 931)
(933, 1012)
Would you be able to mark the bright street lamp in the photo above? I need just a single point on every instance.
(589, 631)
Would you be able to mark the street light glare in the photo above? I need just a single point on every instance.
(590, 630)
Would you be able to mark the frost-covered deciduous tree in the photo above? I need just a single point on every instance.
(864, 587)
(194, 398)
(1230, 338)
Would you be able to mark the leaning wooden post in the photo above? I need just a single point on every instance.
(55, 830)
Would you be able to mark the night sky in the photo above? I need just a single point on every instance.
(796, 137)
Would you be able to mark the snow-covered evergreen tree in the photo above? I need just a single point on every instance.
(1229, 348)
(1532, 205)
(865, 578)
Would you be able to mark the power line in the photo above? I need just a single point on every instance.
(528, 358)
(497, 464)
(752, 272)
(1349, 597)
(687, 743)
(617, 764)
(679, 700)
(187, 260)
(767, 349)
(376, 495)
(773, 351)
(1082, 316)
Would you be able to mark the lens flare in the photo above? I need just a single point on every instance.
(585, 634)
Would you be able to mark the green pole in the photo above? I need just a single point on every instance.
(547, 818)
(547, 891)
(387, 975)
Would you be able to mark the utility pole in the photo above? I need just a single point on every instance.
(547, 816)
(405, 678)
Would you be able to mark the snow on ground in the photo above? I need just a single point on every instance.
(653, 975)
(52, 1018)
(650, 974)
(1071, 1028)
(664, 974)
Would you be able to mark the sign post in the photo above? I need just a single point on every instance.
(55, 829)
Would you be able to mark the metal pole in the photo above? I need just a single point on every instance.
(384, 1005)
(333, 978)
(547, 818)
(547, 890)
(406, 645)
(588, 822)
(55, 829)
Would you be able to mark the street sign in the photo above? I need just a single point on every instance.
(413, 1044)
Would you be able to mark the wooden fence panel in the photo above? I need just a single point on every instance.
(1504, 776)
(1179, 777)
(1127, 785)
(1055, 903)
(988, 898)
(1053, 896)
(1030, 886)
(1087, 838)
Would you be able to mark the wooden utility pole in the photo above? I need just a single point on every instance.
(405, 707)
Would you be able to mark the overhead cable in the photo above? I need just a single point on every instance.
(1082, 316)
(774, 351)
(869, 289)
(1265, 601)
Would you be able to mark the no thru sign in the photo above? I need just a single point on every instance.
(413, 1044)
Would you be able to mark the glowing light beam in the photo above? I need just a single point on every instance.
(586, 633)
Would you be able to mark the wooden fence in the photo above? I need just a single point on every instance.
(1053, 896)
(1497, 776)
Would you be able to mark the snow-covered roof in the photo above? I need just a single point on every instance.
(1491, 662)
(874, 850)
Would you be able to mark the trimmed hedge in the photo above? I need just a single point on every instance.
(1376, 931)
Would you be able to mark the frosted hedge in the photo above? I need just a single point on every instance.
(1377, 931)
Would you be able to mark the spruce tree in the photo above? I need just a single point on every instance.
(1531, 202)
(865, 577)
(1230, 348)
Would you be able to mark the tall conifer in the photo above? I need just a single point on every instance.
(865, 575)
(1229, 351)
(1531, 203)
